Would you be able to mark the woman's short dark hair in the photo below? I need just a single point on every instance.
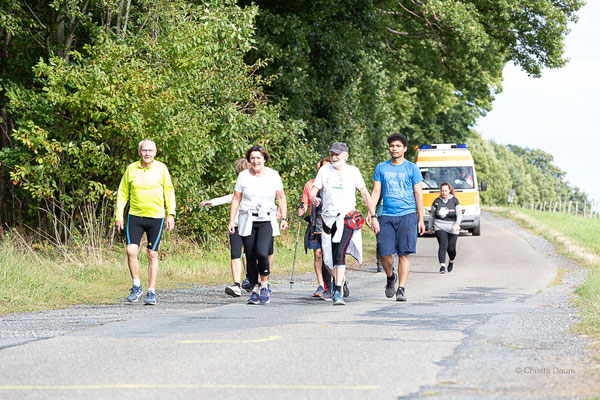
(398, 136)
(449, 187)
(262, 151)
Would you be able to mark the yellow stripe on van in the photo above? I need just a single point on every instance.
(444, 158)
(465, 199)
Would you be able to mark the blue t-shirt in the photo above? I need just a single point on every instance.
(397, 183)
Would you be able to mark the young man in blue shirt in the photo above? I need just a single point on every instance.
(401, 184)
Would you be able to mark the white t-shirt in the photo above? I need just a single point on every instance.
(338, 189)
(259, 192)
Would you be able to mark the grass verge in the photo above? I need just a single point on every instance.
(577, 239)
(41, 276)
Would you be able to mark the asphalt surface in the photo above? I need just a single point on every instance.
(496, 327)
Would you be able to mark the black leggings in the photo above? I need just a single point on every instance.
(338, 250)
(447, 242)
(257, 250)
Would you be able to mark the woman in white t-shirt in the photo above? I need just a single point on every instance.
(254, 197)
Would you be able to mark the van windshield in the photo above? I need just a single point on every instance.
(458, 177)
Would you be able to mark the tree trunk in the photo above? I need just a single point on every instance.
(4, 134)
(126, 18)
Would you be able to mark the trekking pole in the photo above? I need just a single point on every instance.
(296, 250)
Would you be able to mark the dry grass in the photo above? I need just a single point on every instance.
(40, 276)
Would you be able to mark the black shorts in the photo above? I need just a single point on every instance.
(136, 226)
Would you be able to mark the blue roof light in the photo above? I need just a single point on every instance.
(462, 146)
(426, 147)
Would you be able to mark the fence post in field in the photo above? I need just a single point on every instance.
(532, 205)
(570, 203)
(576, 208)
(565, 207)
(555, 204)
(584, 208)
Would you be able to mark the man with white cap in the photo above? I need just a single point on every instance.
(337, 183)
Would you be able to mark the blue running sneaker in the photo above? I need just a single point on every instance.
(338, 299)
(319, 292)
(253, 298)
(150, 298)
(135, 293)
(269, 287)
(345, 289)
(265, 296)
(246, 285)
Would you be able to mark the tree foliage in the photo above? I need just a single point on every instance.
(358, 70)
(181, 80)
(82, 81)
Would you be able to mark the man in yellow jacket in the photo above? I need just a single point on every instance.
(147, 186)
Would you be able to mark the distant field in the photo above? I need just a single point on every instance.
(577, 238)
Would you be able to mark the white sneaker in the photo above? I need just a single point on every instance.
(233, 290)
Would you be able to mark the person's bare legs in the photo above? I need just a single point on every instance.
(236, 269)
(152, 268)
(387, 262)
(132, 260)
(318, 264)
(403, 270)
(339, 275)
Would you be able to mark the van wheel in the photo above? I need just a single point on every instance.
(476, 231)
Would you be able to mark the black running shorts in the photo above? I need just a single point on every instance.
(136, 226)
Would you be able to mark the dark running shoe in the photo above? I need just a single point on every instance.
(254, 299)
(265, 296)
(390, 287)
(327, 295)
(246, 285)
(450, 266)
(443, 269)
(379, 267)
(345, 289)
(400, 294)
(319, 292)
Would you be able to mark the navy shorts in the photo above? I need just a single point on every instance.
(136, 226)
(398, 235)
(314, 242)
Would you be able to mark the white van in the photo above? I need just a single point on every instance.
(454, 164)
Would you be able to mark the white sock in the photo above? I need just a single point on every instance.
(152, 290)
(136, 282)
(263, 284)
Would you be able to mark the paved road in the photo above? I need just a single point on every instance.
(493, 328)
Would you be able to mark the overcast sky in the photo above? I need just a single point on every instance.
(558, 113)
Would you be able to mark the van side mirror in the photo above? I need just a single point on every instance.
(482, 186)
